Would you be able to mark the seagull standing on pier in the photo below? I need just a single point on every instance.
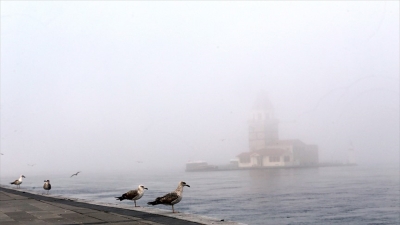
(133, 194)
(171, 198)
(75, 174)
(19, 181)
(47, 186)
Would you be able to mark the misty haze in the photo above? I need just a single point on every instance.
(288, 110)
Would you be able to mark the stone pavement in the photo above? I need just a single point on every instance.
(18, 207)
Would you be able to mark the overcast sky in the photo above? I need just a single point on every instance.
(99, 85)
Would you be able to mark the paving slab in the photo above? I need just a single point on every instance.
(44, 214)
(60, 211)
(5, 217)
(59, 221)
(8, 222)
(79, 218)
(108, 217)
(20, 216)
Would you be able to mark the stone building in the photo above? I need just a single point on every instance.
(266, 149)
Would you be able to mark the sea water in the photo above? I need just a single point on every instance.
(325, 195)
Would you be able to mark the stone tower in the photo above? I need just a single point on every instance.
(263, 126)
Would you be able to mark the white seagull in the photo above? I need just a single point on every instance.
(133, 194)
(47, 186)
(19, 181)
(171, 198)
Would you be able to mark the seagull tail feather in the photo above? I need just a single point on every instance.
(152, 203)
(155, 202)
(122, 197)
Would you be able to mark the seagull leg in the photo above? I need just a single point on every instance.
(135, 202)
(173, 211)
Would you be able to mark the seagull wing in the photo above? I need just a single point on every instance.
(168, 198)
(131, 194)
(15, 182)
(47, 186)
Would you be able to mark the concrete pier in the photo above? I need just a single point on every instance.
(22, 207)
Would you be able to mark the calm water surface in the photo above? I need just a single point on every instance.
(329, 195)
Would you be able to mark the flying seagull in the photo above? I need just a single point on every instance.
(171, 198)
(75, 174)
(133, 194)
(19, 181)
(47, 186)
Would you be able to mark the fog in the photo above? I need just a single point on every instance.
(97, 86)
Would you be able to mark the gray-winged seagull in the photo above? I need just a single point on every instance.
(171, 198)
(133, 194)
(75, 174)
(19, 181)
(47, 186)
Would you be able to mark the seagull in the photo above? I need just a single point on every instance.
(19, 181)
(47, 186)
(75, 174)
(133, 194)
(171, 198)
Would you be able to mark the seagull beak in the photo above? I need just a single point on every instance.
(146, 188)
(187, 185)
